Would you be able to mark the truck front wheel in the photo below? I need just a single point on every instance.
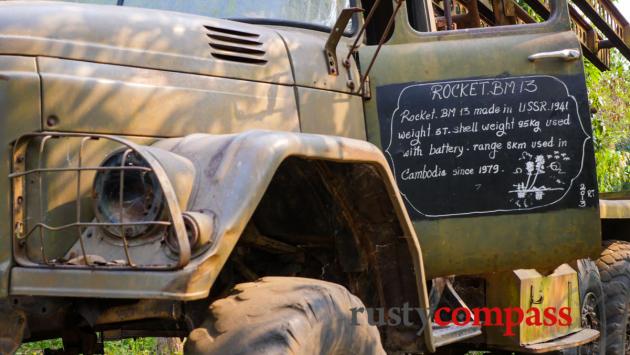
(614, 268)
(286, 315)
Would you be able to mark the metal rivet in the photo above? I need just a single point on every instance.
(52, 120)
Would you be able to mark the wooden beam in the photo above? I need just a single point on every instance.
(601, 24)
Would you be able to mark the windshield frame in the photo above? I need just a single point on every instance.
(354, 24)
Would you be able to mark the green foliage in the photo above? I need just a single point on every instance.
(523, 4)
(39, 346)
(144, 346)
(609, 94)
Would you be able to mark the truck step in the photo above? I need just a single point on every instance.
(581, 337)
(453, 333)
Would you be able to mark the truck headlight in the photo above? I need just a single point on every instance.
(142, 198)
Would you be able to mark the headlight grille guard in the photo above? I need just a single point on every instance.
(19, 173)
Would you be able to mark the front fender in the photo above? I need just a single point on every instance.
(234, 172)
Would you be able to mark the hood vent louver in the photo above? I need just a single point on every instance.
(236, 45)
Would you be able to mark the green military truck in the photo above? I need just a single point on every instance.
(314, 177)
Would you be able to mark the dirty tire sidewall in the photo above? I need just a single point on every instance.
(593, 302)
(285, 315)
(614, 269)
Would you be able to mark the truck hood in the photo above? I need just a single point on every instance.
(144, 38)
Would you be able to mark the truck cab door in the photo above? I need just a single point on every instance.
(488, 133)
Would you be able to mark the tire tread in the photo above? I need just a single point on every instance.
(614, 268)
(285, 315)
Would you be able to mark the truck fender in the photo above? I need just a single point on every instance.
(234, 171)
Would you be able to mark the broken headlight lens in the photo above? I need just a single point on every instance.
(142, 198)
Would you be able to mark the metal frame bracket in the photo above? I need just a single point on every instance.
(330, 48)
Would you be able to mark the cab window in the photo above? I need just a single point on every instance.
(473, 14)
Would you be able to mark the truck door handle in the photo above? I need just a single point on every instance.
(565, 54)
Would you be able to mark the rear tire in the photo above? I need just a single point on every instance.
(285, 315)
(614, 268)
(592, 308)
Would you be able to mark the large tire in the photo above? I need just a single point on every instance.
(614, 268)
(285, 315)
(593, 308)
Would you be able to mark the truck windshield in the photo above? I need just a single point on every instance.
(315, 14)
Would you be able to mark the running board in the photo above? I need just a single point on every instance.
(445, 335)
(581, 337)
(453, 333)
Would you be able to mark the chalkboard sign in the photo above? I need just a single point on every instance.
(488, 146)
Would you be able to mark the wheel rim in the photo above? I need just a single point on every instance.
(590, 319)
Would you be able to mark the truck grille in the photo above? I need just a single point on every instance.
(236, 45)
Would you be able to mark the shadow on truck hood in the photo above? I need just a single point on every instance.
(144, 38)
